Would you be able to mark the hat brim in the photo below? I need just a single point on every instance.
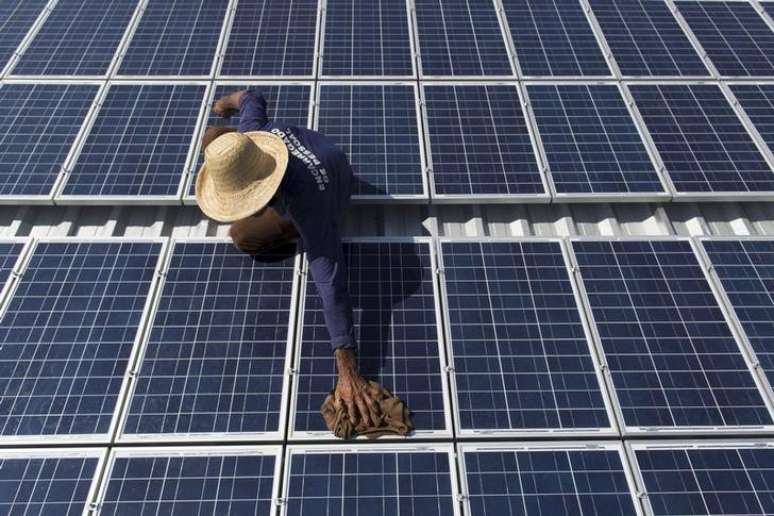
(255, 196)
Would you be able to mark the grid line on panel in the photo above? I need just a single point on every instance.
(366, 39)
(646, 39)
(79, 37)
(175, 37)
(703, 143)
(591, 142)
(215, 358)
(16, 20)
(38, 125)
(67, 335)
(736, 38)
(9, 255)
(376, 126)
(520, 353)
(139, 142)
(757, 100)
(672, 357)
(554, 38)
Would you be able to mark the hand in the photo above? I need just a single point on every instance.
(227, 105)
(352, 390)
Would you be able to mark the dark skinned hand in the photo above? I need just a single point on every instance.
(352, 390)
(228, 105)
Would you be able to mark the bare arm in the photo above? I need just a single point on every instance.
(213, 132)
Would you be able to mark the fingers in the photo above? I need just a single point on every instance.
(351, 411)
(365, 415)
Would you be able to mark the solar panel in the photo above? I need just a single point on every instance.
(38, 125)
(216, 358)
(591, 142)
(79, 37)
(744, 268)
(16, 19)
(272, 39)
(758, 102)
(377, 126)
(561, 479)
(735, 37)
(704, 146)
(673, 361)
(707, 478)
(367, 39)
(479, 141)
(175, 37)
(10, 250)
(397, 328)
(47, 482)
(522, 360)
(553, 38)
(67, 335)
(290, 102)
(185, 481)
(460, 38)
(646, 39)
(378, 481)
(138, 144)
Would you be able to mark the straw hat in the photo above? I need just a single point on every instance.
(240, 175)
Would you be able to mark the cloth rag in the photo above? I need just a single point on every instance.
(394, 419)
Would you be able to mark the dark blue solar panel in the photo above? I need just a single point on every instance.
(366, 38)
(270, 38)
(479, 141)
(590, 140)
(672, 357)
(646, 39)
(701, 140)
(734, 35)
(460, 38)
(9, 254)
(215, 359)
(391, 285)
(16, 19)
(139, 142)
(67, 335)
(555, 482)
(39, 485)
(758, 102)
(370, 482)
(376, 125)
(79, 37)
(707, 481)
(746, 271)
(38, 125)
(553, 38)
(520, 355)
(175, 37)
(181, 484)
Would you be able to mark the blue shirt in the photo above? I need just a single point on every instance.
(313, 195)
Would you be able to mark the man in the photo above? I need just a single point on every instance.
(275, 182)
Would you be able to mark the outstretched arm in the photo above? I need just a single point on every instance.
(250, 105)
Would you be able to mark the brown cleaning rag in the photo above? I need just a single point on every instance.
(394, 419)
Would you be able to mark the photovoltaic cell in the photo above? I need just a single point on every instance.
(556, 482)
(185, 483)
(520, 355)
(746, 271)
(461, 38)
(646, 39)
(16, 19)
(553, 38)
(36, 484)
(215, 357)
(479, 141)
(67, 335)
(9, 254)
(708, 481)
(701, 140)
(175, 37)
(758, 102)
(590, 140)
(79, 37)
(378, 483)
(139, 142)
(38, 125)
(736, 38)
(376, 125)
(391, 286)
(672, 357)
(270, 38)
(366, 38)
